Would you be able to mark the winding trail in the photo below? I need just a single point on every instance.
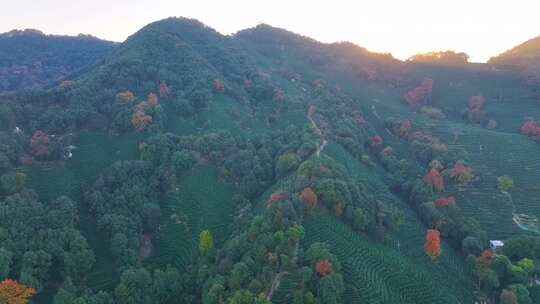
(275, 284)
(319, 132)
(523, 221)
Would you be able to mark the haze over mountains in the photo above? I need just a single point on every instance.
(184, 166)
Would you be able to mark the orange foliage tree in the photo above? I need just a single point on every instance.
(432, 246)
(485, 258)
(39, 144)
(309, 197)
(434, 179)
(125, 97)
(140, 120)
(323, 267)
(152, 99)
(12, 292)
(276, 196)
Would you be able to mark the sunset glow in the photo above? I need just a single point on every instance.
(403, 28)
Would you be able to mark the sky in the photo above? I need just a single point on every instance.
(481, 28)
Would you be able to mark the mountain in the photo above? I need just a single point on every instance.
(526, 54)
(30, 59)
(267, 167)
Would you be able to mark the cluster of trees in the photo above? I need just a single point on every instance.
(148, 62)
(38, 242)
(442, 57)
(252, 164)
(125, 202)
(347, 198)
(420, 95)
(30, 59)
(499, 277)
(427, 194)
(251, 265)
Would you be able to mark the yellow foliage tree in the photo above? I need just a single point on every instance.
(140, 120)
(206, 242)
(12, 292)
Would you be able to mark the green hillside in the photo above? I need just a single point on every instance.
(31, 59)
(267, 167)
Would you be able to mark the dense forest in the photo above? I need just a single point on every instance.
(31, 59)
(185, 166)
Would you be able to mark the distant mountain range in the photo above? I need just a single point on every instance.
(30, 59)
(264, 167)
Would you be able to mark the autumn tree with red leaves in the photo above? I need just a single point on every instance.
(39, 144)
(434, 179)
(164, 90)
(12, 292)
(219, 86)
(276, 196)
(125, 97)
(376, 140)
(445, 201)
(309, 198)
(323, 267)
(419, 96)
(432, 246)
(461, 173)
(530, 127)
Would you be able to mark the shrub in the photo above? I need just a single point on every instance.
(505, 183)
(432, 112)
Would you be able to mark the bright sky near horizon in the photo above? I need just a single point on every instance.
(481, 28)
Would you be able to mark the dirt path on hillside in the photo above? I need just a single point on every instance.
(321, 146)
(275, 285)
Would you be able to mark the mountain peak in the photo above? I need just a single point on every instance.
(25, 32)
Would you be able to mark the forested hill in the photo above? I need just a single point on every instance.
(30, 59)
(266, 167)
(526, 54)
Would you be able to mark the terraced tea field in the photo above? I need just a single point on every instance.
(376, 274)
(201, 202)
(94, 151)
(408, 240)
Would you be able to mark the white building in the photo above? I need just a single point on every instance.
(496, 245)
